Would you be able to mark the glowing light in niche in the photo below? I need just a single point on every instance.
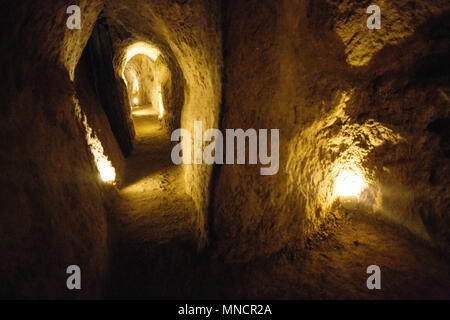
(160, 102)
(349, 183)
(135, 100)
(104, 166)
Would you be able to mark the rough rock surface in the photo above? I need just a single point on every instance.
(141, 73)
(54, 207)
(293, 66)
(57, 205)
(341, 95)
(188, 35)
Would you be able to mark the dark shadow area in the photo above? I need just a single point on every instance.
(442, 128)
(100, 52)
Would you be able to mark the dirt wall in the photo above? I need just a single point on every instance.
(340, 96)
(54, 207)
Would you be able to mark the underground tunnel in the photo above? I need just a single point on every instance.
(88, 178)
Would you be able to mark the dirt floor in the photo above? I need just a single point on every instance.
(154, 252)
(154, 207)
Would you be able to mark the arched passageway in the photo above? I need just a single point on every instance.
(154, 210)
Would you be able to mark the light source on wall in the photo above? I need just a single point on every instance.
(160, 103)
(104, 166)
(349, 183)
(135, 101)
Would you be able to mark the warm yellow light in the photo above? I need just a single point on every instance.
(141, 48)
(124, 79)
(135, 100)
(349, 183)
(160, 102)
(104, 166)
(106, 170)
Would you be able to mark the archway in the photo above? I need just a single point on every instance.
(143, 79)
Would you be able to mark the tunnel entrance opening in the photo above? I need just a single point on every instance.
(143, 79)
(144, 91)
(151, 79)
